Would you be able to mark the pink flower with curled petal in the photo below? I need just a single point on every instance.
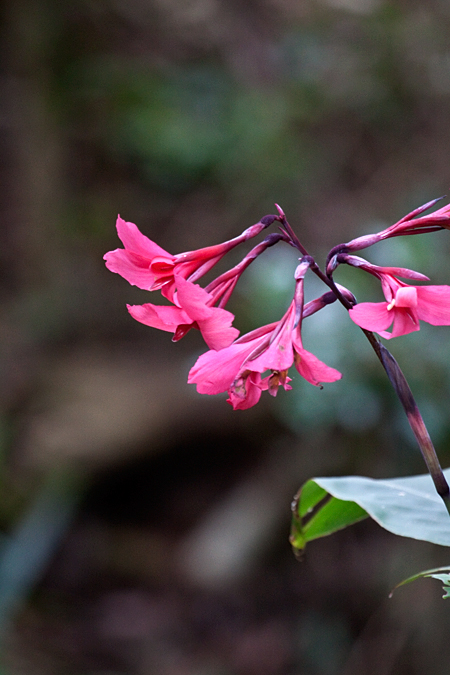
(275, 348)
(146, 265)
(193, 309)
(133, 262)
(406, 305)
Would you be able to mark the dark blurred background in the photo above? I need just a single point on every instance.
(145, 527)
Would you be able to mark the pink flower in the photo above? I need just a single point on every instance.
(133, 262)
(193, 309)
(275, 347)
(405, 304)
(146, 265)
(409, 224)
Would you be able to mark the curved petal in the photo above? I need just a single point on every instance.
(193, 298)
(372, 315)
(162, 266)
(214, 322)
(314, 370)
(135, 241)
(405, 321)
(278, 356)
(385, 334)
(252, 394)
(406, 296)
(215, 371)
(132, 267)
(405, 273)
(217, 330)
(434, 304)
(166, 318)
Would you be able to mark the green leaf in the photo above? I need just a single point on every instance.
(317, 514)
(311, 495)
(409, 507)
(439, 573)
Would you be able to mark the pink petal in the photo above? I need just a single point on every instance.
(405, 273)
(253, 394)
(163, 266)
(443, 212)
(217, 330)
(314, 370)
(404, 321)
(372, 315)
(135, 241)
(193, 299)
(423, 208)
(257, 333)
(168, 289)
(166, 318)
(214, 322)
(434, 304)
(131, 267)
(215, 371)
(406, 296)
(278, 356)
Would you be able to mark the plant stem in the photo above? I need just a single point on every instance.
(415, 419)
(416, 422)
(396, 378)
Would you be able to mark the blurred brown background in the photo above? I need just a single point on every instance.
(144, 527)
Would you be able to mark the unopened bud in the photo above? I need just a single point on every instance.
(268, 220)
(280, 211)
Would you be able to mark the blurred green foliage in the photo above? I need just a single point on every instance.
(191, 119)
(193, 123)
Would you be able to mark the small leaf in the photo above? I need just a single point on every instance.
(439, 573)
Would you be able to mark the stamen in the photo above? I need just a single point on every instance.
(277, 379)
(391, 305)
(238, 385)
(274, 382)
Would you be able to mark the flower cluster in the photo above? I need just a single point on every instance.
(260, 360)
